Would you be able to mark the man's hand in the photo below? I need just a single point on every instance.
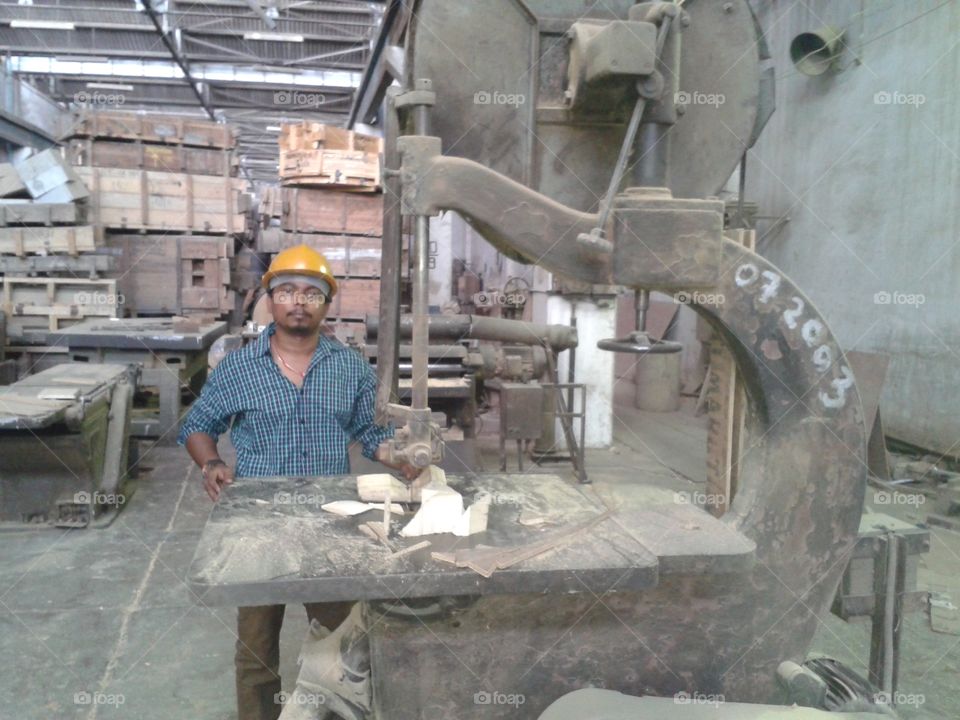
(216, 474)
(409, 472)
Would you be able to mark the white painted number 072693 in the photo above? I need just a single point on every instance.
(812, 331)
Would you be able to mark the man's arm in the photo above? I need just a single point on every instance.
(216, 473)
(368, 433)
(204, 424)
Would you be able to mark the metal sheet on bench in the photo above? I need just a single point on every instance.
(21, 406)
(137, 334)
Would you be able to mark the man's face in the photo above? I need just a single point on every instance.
(298, 308)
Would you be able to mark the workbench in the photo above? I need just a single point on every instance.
(172, 355)
(267, 541)
(64, 444)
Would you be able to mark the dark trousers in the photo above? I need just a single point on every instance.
(258, 654)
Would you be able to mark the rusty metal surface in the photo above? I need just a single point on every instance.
(536, 141)
(802, 486)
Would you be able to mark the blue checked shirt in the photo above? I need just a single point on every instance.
(279, 429)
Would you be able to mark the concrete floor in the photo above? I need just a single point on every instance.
(107, 610)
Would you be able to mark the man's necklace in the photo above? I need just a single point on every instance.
(301, 373)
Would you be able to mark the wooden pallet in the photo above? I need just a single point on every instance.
(169, 129)
(56, 239)
(145, 200)
(312, 210)
(349, 255)
(35, 213)
(173, 274)
(40, 305)
(139, 155)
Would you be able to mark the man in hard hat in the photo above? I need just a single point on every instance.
(296, 398)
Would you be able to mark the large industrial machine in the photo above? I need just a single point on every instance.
(590, 139)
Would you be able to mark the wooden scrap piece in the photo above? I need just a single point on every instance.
(349, 508)
(409, 550)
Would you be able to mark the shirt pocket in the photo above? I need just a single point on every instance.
(337, 406)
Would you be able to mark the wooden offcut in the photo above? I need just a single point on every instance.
(145, 200)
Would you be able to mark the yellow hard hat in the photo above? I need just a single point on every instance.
(300, 260)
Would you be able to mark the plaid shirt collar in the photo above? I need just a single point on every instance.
(325, 346)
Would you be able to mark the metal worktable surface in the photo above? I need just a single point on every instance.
(268, 541)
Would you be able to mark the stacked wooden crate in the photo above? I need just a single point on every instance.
(164, 196)
(48, 258)
(330, 199)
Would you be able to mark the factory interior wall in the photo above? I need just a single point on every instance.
(863, 164)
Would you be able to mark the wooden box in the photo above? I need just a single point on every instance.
(151, 156)
(173, 273)
(315, 155)
(171, 129)
(349, 255)
(356, 298)
(315, 136)
(145, 200)
(17, 212)
(311, 210)
(344, 169)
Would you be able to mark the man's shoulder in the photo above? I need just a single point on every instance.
(345, 356)
(239, 359)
